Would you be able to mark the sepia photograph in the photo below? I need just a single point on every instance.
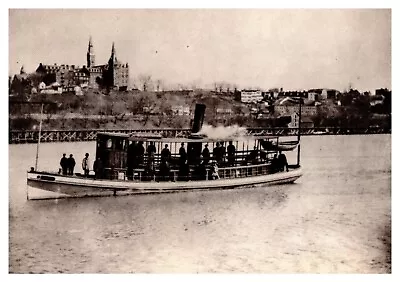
(198, 141)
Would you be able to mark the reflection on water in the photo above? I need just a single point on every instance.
(332, 220)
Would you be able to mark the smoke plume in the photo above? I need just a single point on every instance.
(223, 132)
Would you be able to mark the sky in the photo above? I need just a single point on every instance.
(290, 48)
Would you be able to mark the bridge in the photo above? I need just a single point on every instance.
(31, 136)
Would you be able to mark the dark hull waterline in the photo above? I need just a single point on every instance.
(67, 186)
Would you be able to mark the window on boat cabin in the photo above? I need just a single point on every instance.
(109, 143)
(120, 144)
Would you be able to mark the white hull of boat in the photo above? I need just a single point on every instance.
(72, 186)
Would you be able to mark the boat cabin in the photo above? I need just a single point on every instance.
(111, 154)
(152, 158)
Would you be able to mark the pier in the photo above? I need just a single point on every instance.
(31, 136)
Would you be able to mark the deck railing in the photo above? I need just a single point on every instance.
(223, 173)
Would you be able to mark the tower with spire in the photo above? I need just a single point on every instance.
(113, 58)
(117, 74)
(113, 74)
(90, 57)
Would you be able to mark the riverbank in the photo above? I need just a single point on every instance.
(138, 109)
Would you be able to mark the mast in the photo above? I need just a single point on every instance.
(299, 133)
(40, 131)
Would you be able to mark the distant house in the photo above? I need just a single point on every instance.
(287, 106)
(250, 96)
(324, 94)
(306, 122)
(294, 123)
(312, 96)
(180, 110)
(224, 111)
(52, 90)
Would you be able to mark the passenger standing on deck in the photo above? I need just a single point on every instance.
(140, 153)
(275, 164)
(98, 168)
(64, 164)
(182, 154)
(217, 154)
(231, 154)
(71, 164)
(151, 150)
(131, 162)
(282, 162)
(85, 164)
(205, 154)
(165, 154)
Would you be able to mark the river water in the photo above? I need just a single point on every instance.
(334, 219)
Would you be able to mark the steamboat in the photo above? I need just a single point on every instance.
(141, 164)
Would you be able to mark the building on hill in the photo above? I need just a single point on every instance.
(181, 110)
(113, 75)
(288, 106)
(249, 96)
(65, 75)
(306, 122)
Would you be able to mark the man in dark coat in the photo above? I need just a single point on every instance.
(140, 153)
(131, 162)
(182, 154)
(275, 164)
(71, 164)
(64, 164)
(205, 154)
(282, 162)
(165, 154)
(98, 168)
(217, 154)
(231, 154)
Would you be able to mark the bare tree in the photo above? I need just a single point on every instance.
(182, 87)
(159, 84)
(219, 87)
(145, 81)
(215, 86)
(228, 87)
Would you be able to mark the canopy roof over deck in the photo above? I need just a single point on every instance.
(200, 140)
(157, 138)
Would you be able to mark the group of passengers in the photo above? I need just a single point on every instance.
(279, 163)
(67, 165)
(193, 159)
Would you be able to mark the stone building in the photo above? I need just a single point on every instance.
(65, 75)
(111, 75)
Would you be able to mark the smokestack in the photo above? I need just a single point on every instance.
(198, 117)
